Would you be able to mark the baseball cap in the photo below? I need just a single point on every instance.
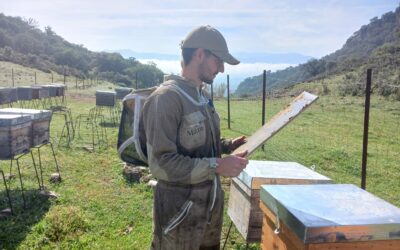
(209, 38)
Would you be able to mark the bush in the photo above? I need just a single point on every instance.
(65, 222)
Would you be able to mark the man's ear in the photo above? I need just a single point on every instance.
(199, 54)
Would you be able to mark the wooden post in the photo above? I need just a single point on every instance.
(229, 103)
(52, 77)
(35, 78)
(366, 125)
(76, 82)
(12, 77)
(263, 101)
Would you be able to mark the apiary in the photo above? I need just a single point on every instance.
(105, 98)
(40, 123)
(244, 196)
(322, 217)
(15, 134)
(8, 95)
(24, 93)
(122, 92)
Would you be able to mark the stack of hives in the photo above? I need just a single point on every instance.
(21, 129)
(29, 93)
(8, 95)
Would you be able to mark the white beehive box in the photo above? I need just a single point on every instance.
(244, 197)
(105, 98)
(40, 123)
(60, 89)
(24, 93)
(15, 134)
(52, 89)
(8, 95)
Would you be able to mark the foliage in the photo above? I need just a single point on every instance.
(23, 43)
(220, 90)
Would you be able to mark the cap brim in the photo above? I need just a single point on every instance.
(226, 57)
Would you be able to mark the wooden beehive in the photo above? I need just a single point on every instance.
(52, 89)
(122, 92)
(105, 98)
(38, 92)
(24, 93)
(244, 196)
(45, 92)
(15, 135)
(8, 95)
(327, 217)
(60, 89)
(40, 123)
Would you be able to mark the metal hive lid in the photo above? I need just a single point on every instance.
(8, 120)
(332, 212)
(278, 172)
(105, 92)
(36, 113)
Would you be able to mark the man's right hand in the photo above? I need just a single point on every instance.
(232, 165)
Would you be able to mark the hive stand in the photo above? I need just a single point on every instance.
(16, 159)
(38, 147)
(68, 130)
(7, 192)
(98, 133)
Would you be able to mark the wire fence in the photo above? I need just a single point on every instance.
(328, 136)
(27, 77)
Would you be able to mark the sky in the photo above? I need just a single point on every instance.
(309, 27)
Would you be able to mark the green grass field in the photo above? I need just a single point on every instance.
(98, 208)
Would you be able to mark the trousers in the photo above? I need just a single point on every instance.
(182, 216)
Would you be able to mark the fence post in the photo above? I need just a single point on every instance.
(366, 125)
(12, 77)
(263, 100)
(52, 77)
(229, 103)
(35, 78)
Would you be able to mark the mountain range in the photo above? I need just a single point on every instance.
(375, 45)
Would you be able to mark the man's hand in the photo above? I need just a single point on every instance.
(232, 165)
(237, 142)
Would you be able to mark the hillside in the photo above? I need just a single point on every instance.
(376, 45)
(22, 42)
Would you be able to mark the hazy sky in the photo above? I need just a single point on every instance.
(309, 27)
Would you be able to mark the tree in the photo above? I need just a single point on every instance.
(220, 90)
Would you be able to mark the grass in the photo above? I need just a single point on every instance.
(98, 208)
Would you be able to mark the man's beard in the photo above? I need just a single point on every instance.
(208, 81)
(204, 78)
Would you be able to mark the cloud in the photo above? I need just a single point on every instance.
(237, 73)
(311, 27)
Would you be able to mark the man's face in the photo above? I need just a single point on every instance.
(210, 67)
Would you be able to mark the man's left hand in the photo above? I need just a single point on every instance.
(237, 142)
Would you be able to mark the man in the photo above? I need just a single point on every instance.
(184, 148)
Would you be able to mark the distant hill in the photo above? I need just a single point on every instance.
(244, 57)
(21, 42)
(376, 45)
